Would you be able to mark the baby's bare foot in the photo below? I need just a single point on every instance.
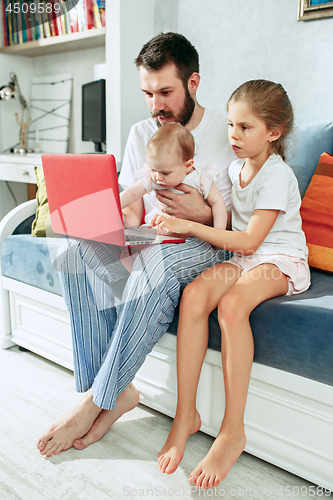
(173, 451)
(73, 425)
(221, 457)
(126, 401)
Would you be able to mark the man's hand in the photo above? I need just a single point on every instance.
(189, 205)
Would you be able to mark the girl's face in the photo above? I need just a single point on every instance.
(168, 169)
(248, 134)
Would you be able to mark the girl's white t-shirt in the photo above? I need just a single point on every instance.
(212, 148)
(275, 187)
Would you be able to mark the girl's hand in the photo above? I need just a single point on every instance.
(152, 222)
(178, 226)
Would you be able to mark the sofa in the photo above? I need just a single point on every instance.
(289, 412)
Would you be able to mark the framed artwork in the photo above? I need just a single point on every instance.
(314, 9)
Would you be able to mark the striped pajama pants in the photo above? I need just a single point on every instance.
(109, 348)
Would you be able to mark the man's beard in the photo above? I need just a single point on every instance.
(185, 113)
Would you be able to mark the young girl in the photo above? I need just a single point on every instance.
(170, 162)
(270, 259)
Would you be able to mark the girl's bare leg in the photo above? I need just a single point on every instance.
(259, 284)
(199, 298)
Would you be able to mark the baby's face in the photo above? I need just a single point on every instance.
(167, 170)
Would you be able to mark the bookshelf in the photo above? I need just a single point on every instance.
(88, 39)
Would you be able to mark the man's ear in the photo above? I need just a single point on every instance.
(189, 165)
(193, 83)
(275, 134)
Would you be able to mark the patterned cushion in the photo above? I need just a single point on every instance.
(317, 215)
(41, 226)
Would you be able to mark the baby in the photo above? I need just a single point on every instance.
(170, 162)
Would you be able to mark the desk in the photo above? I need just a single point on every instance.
(18, 168)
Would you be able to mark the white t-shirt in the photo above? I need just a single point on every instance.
(212, 148)
(275, 187)
(201, 181)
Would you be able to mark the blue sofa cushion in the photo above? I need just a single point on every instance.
(311, 142)
(292, 333)
(28, 259)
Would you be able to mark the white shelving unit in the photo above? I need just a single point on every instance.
(64, 43)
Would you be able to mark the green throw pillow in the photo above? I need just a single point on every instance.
(41, 226)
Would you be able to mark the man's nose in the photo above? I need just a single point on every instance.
(157, 104)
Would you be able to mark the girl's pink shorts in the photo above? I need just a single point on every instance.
(295, 268)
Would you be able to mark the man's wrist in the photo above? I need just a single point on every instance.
(205, 217)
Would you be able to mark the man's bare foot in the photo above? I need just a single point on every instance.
(221, 457)
(173, 451)
(73, 425)
(126, 401)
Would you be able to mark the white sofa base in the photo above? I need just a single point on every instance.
(289, 419)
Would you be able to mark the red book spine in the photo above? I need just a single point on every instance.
(89, 12)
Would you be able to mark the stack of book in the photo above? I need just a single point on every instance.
(24, 21)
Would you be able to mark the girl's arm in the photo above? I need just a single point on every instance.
(219, 210)
(245, 242)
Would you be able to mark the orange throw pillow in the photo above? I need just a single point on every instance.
(317, 215)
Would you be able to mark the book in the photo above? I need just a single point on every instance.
(45, 19)
(101, 8)
(23, 23)
(97, 17)
(89, 14)
(4, 25)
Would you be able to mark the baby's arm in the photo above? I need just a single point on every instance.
(219, 210)
(132, 194)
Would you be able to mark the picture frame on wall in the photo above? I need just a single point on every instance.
(314, 9)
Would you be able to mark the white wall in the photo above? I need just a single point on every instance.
(239, 40)
(9, 130)
(80, 64)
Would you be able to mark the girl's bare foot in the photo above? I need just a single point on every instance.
(173, 451)
(126, 401)
(221, 457)
(73, 425)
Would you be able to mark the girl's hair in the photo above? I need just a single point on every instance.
(270, 102)
(172, 137)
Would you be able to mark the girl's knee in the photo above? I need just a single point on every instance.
(195, 299)
(231, 310)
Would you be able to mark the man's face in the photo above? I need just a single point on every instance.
(166, 96)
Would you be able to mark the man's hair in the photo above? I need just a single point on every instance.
(173, 138)
(168, 48)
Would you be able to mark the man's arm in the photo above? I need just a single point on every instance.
(189, 205)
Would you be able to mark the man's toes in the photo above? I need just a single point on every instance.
(42, 442)
(82, 443)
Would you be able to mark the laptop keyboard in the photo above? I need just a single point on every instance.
(140, 238)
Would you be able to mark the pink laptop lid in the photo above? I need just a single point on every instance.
(83, 196)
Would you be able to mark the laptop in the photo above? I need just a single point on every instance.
(84, 202)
